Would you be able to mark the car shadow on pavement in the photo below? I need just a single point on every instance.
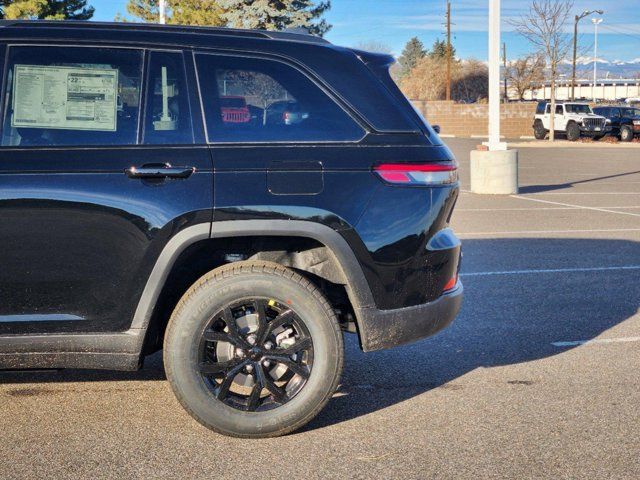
(506, 319)
(562, 186)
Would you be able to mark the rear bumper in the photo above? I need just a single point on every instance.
(380, 329)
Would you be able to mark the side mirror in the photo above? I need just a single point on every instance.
(436, 128)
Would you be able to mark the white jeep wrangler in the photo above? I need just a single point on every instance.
(571, 118)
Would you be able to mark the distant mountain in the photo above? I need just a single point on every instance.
(606, 68)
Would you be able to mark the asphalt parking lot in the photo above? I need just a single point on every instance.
(537, 378)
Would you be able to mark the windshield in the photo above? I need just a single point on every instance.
(577, 108)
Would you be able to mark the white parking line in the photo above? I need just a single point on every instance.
(545, 232)
(596, 341)
(550, 270)
(606, 210)
(632, 207)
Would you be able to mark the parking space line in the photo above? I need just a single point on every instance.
(550, 270)
(596, 341)
(632, 207)
(545, 232)
(606, 210)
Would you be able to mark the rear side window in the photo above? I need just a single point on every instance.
(168, 118)
(256, 100)
(72, 96)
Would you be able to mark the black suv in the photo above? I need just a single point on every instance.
(141, 210)
(625, 121)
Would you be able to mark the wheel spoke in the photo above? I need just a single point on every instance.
(213, 336)
(217, 368)
(223, 390)
(232, 326)
(261, 311)
(254, 398)
(303, 344)
(279, 321)
(278, 394)
(290, 364)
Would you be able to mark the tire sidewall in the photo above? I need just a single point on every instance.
(183, 340)
(629, 134)
(573, 132)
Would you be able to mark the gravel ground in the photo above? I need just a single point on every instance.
(537, 378)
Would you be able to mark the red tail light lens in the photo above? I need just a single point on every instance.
(451, 284)
(418, 173)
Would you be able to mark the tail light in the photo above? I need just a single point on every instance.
(451, 284)
(430, 174)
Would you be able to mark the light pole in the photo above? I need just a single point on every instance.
(586, 13)
(162, 10)
(596, 22)
(493, 167)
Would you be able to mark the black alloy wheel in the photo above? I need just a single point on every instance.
(256, 354)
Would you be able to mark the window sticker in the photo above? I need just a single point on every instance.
(65, 98)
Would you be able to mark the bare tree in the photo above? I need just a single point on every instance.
(543, 26)
(525, 73)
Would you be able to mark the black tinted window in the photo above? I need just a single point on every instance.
(168, 119)
(254, 100)
(72, 96)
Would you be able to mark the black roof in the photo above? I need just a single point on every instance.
(293, 35)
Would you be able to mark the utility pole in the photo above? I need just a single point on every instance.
(504, 59)
(448, 94)
(575, 47)
(162, 10)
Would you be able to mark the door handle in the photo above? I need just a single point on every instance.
(159, 171)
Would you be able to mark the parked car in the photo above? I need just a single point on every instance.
(624, 121)
(241, 250)
(572, 119)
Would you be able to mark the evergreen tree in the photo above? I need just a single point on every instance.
(277, 14)
(46, 9)
(413, 52)
(439, 49)
(183, 12)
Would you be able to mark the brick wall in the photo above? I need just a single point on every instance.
(464, 120)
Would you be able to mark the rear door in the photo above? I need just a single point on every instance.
(97, 173)
(297, 155)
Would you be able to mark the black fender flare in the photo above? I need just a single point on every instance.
(357, 286)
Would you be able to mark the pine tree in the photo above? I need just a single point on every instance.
(183, 12)
(46, 9)
(277, 14)
(439, 49)
(413, 52)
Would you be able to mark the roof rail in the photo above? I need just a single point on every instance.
(298, 35)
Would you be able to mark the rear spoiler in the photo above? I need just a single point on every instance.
(376, 60)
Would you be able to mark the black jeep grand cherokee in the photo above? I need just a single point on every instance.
(151, 199)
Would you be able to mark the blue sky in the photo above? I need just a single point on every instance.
(393, 22)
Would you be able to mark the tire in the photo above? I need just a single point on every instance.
(626, 134)
(207, 357)
(539, 131)
(573, 132)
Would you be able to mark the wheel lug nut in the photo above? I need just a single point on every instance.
(266, 363)
(268, 346)
(240, 352)
(251, 339)
(249, 368)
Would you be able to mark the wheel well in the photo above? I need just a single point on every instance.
(306, 256)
